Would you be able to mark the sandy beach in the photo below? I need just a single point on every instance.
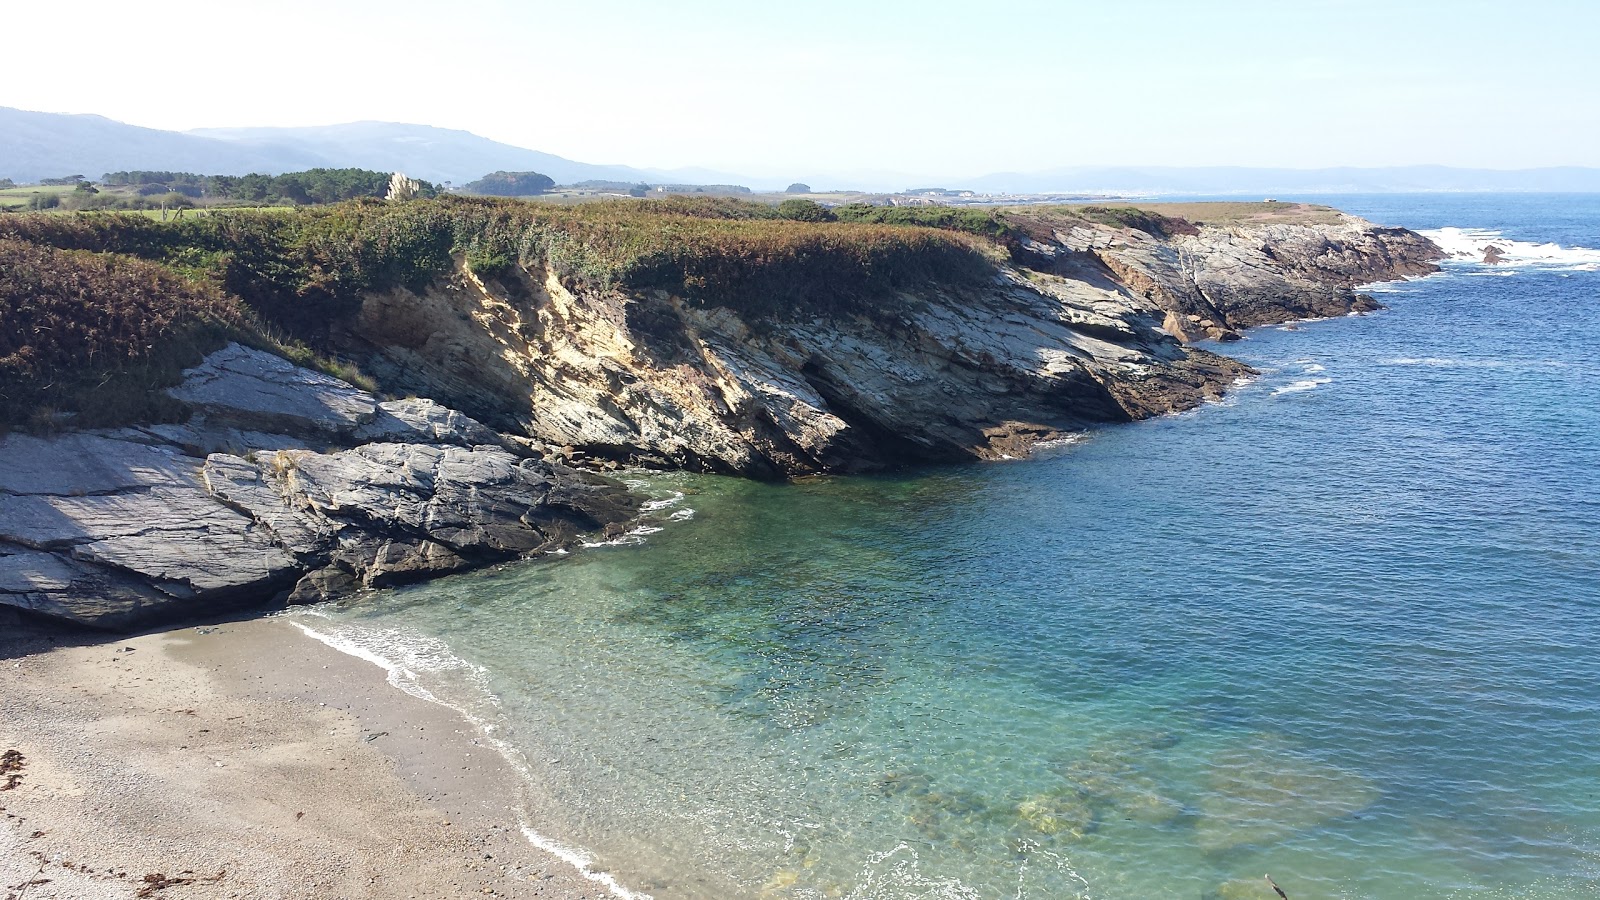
(246, 760)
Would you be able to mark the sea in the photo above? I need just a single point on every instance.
(1341, 628)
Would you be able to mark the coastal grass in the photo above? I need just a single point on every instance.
(312, 265)
(1227, 212)
(93, 333)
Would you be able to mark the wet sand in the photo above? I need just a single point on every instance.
(247, 760)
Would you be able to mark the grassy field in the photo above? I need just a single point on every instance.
(18, 197)
(1227, 212)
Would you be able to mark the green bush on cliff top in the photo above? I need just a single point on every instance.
(93, 333)
(305, 268)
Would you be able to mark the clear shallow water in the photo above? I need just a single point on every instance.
(1339, 628)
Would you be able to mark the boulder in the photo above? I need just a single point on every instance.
(251, 389)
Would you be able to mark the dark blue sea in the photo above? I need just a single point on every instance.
(1342, 627)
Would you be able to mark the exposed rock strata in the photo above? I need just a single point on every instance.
(1088, 331)
(254, 499)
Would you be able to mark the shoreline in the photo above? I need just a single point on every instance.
(251, 760)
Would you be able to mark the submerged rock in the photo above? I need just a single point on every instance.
(1068, 815)
(1265, 792)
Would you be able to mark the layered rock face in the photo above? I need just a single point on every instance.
(286, 483)
(1088, 328)
(1212, 281)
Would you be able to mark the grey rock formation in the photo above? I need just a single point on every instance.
(241, 387)
(114, 529)
(1218, 280)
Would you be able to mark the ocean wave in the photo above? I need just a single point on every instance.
(1455, 363)
(407, 656)
(1306, 384)
(633, 536)
(1468, 245)
(658, 504)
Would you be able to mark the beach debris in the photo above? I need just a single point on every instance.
(1275, 887)
(11, 763)
(156, 882)
(374, 736)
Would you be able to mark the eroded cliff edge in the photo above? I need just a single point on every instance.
(694, 340)
(1080, 322)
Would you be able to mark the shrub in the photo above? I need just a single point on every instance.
(801, 210)
(511, 184)
(94, 332)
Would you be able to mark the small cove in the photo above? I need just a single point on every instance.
(1338, 628)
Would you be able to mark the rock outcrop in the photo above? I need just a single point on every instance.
(285, 484)
(289, 484)
(1213, 281)
(1087, 327)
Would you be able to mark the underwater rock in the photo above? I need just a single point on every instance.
(1264, 792)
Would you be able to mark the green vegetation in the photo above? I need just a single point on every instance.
(81, 331)
(798, 188)
(511, 184)
(805, 211)
(1131, 217)
(311, 187)
(983, 222)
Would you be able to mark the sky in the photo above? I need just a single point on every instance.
(849, 88)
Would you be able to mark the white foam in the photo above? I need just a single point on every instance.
(1450, 362)
(663, 503)
(635, 536)
(682, 515)
(1308, 384)
(1314, 368)
(1043, 448)
(581, 861)
(1468, 245)
(422, 654)
(408, 655)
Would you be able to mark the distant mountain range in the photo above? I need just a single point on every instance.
(35, 145)
(1239, 180)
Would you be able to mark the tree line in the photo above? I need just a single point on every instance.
(311, 187)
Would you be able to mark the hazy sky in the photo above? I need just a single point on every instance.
(955, 88)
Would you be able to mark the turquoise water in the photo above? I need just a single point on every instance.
(1340, 628)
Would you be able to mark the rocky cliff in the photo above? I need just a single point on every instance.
(286, 483)
(1087, 324)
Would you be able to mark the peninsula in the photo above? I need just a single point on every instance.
(247, 409)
